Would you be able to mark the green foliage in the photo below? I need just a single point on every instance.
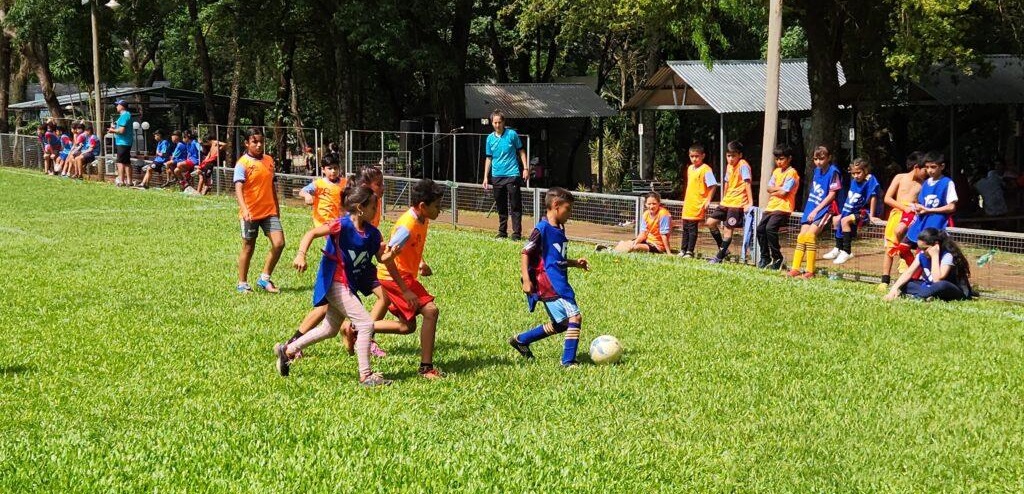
(134, 366)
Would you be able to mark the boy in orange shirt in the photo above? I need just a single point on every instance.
(257, 209)
(700, 188)
(408, 237)
(737, 199)
(782, 189)
(654, 237)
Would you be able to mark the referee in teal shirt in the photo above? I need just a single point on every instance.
(505, 169)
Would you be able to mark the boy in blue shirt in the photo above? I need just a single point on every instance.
(937, 200)
(545, 275)
(818, 211)
(177, 156)
(859, 208)
(163, 153)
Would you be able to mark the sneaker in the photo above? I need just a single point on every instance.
(843, 257)
(808, 275)
(283, 362)
(522, 348)
(687, 255)
(572, 364)
(190, 191)
(776, 266)
(600, 248)
(117, 182)
(501, 235)
(243, 288)
(267, 286)
(297, 354)
(349, 337)
(376, 350)
(516, 237)
(714, 260)
(832, 254)
(433, 374)
(793, 273)
(681, 254)
(375, 379)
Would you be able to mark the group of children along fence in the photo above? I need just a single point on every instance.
(67, 151)
(922, 202)
(347, 212)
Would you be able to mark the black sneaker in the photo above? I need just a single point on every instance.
(601, 248)
(283, 363)
(501, 235)
(516, 237)
(775, 266)
(522, 348)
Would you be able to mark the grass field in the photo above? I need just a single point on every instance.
(130, 364)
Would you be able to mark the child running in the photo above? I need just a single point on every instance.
(408, 298)
(257, 209)
(700, 188)
(737, 199)
(945, 272)
(544, 270)
(346, 270)
(782, 188)
(654, 237)
(858, 209)
(901, 197)
(818, 211)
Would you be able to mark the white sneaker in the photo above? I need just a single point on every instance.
(190, 191)
(843, 257)
(832, 254)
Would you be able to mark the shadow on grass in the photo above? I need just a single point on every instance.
(16, 369)
(460, 365)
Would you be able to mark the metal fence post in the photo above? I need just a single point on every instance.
(638, 212)
(756, 246)
(536, 205)
(2, 137)
(454, 186)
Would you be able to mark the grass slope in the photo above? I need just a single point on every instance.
(130, 364)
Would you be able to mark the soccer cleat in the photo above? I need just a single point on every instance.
(283, 362)
(376, 350)
(808, 275)
(243, 288)
(843, 257)
(298, 354)
(267, 286)
(793, 273)
(572, 364)
(515, 237)
(522, 348)
(832, 254)
(375, 379)
(432, 374)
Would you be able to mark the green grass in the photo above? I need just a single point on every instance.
(130, 364)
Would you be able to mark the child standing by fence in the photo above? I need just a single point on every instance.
(782, 189)
(737, 199)
(700, 188)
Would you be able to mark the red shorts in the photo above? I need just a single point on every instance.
(399, 307)
(189, 165)
(907, 218)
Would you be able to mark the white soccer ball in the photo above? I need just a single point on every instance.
(605, 349)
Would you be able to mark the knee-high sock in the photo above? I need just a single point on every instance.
(847, 243)
(364, 334)
(724, 250)
(540, 332)
(798, 255)
(321, 332)
(572, 341)
(812, 251)
(717, 235)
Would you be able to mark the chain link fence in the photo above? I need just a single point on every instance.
(997, 258)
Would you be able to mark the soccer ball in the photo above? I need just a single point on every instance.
(605, 349)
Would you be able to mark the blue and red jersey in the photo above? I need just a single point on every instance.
(548, 265)
(352, 251)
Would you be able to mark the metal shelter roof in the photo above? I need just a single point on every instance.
(1003, 85)
(730, 86)
(159, 95)
(530, 100)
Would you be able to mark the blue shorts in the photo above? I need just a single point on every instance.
(561, 309)
(63, 155)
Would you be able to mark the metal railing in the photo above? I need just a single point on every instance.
(997, 258)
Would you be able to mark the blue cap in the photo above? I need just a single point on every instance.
(121, 102)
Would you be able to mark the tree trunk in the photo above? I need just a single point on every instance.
(552, 56)
(652, 61)
(497, 53)
(452, 88)
(823, 26)
(38, 56)
(204, 61)
(236, 82)
(284, 91)
(5, 80)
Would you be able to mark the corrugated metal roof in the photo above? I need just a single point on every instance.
(730, 86)
(85, 98)
(528, 100)
(1004, 85)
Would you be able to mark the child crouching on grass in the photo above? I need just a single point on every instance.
(545, 275)
(945, 272)
(654, 237)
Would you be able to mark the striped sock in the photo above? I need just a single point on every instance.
(536, 334)
(812, 252)
(798, 254)
(364, 333)
(572, 341)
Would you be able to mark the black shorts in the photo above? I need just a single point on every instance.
(207, 170)
(124, 155)
(653, 249)
(139, 166)
(732, 217)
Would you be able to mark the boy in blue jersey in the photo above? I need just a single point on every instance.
(163, 153)
(545, 276)
(184, 169)
(936, 202)
(818, 211)
(177, 156)
(859, 208)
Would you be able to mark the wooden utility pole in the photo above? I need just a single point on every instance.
(771, 99)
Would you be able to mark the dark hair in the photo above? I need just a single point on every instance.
(734, 147)
(356, 195)
(186, 134)
(655, 195)
(914, 160)
(426, 191)
(497, 113)
(697, 148)
(932, 236)
(556, 196)
(253, 132)
(42, 127)
(370, 174)
(176, 133)
(158, 132)
(783, 150)
(821, 151)
(88, 128)
(861, 163)
(329, 161)
(77, 125)
(934, 157)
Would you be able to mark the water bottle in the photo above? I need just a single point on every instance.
(985, 258)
